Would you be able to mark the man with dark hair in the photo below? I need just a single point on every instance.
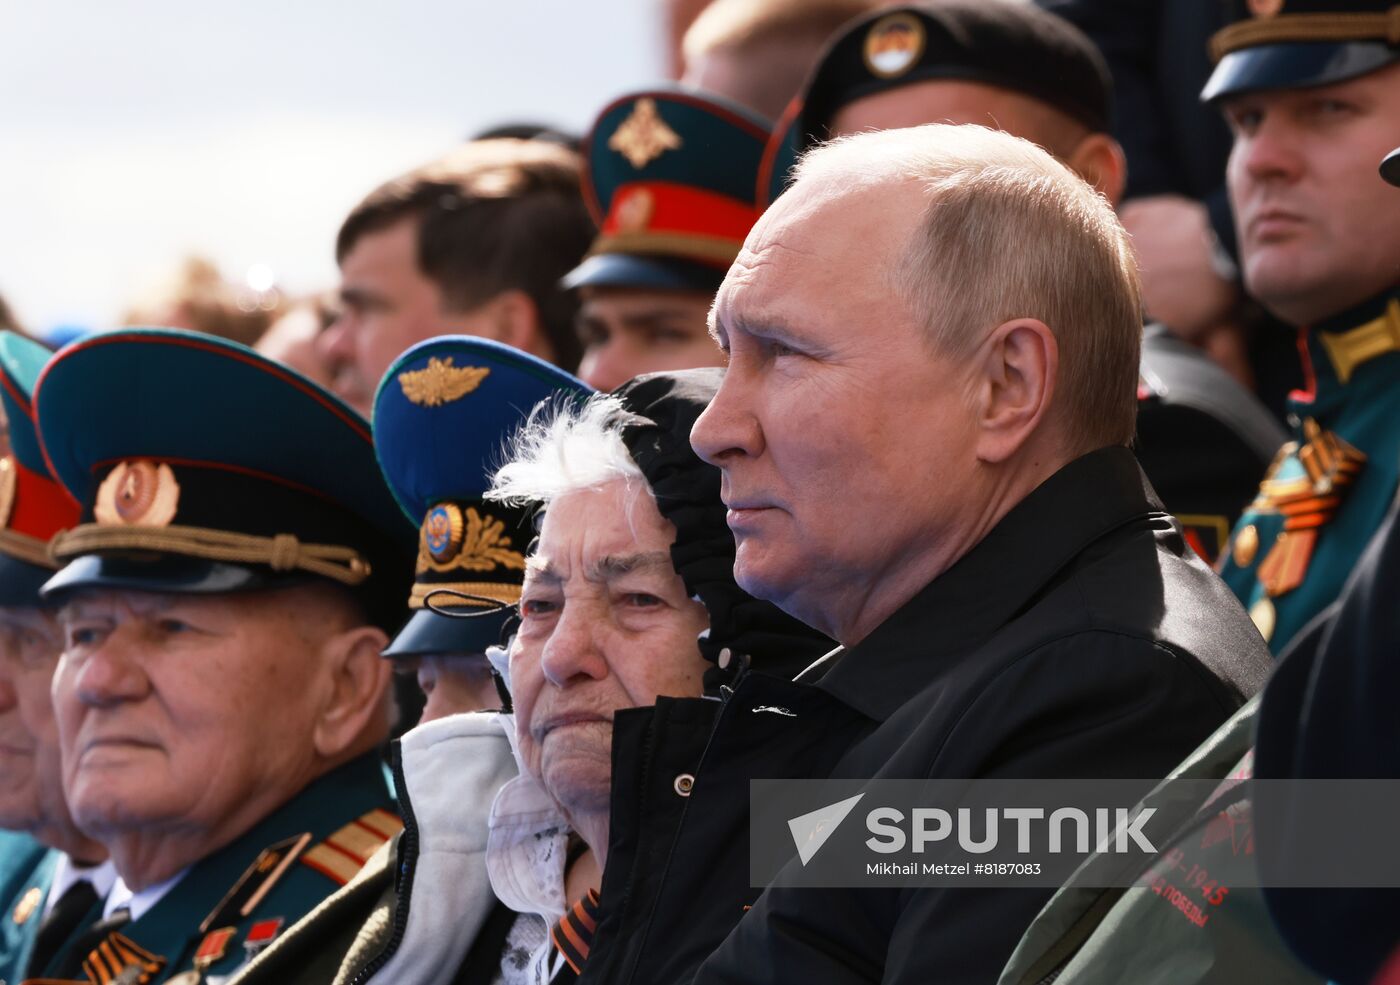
(473, 243)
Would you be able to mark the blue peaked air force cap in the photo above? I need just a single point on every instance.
(442, 417)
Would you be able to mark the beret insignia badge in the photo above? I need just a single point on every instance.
(138, 493)
(893, 45)
(440, 382)
(644, 135)
(454, 540)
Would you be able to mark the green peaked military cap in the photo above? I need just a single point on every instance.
(442, 417)
(202, 466)
(33, 508)
(1289, 44)
(670, 178)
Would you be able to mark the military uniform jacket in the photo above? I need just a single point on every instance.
(26, 872)
(420, 911)
(1191, 922)
(240, 897)
(1329, 488)
(1080, 638)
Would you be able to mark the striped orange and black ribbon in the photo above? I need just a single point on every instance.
(120, 959)
(573, 934)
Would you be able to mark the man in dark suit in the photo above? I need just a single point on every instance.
(923, 435)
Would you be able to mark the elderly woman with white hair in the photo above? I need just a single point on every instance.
(629, 609)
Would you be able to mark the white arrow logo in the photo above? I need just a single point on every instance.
(810, 831)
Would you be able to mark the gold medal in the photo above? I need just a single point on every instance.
(26, 906)
(1246, 546)
(1264, 616)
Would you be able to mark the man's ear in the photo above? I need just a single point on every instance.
(355, 716)
(1017, 366)
(1100, 161)
(516, 318)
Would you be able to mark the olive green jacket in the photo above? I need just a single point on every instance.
(1172, 929)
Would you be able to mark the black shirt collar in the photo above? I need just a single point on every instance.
(989, 585)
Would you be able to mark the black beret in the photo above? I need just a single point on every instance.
(1003, 43)
(663, 407)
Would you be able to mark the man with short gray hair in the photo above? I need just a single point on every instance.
(923, 431)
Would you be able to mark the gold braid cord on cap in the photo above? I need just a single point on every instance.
(283, 552)
(501, 592)
(22, 547)
(1307, 27)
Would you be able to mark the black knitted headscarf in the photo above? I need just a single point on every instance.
(743, 630)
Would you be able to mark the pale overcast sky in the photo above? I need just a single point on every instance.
(136, 131)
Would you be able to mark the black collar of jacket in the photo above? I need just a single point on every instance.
(992, 583)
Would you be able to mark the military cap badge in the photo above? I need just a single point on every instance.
(139, 492)
(440, 382)
(644, 135)
(893, 45)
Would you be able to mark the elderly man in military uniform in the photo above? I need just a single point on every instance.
(1311, 90)
(51, 875)
(221, 698)
(1203, 440)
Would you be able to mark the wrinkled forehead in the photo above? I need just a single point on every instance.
(830, 234)
(91, 601)
(26, 617)
(590, 532)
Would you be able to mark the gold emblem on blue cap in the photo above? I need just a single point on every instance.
(893, 45)
(644, 135)
(480, 542)
(1265, 8)
(442, 532)
(440, 382)
(138, 494)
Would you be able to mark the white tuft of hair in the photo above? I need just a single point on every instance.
(564, 447)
